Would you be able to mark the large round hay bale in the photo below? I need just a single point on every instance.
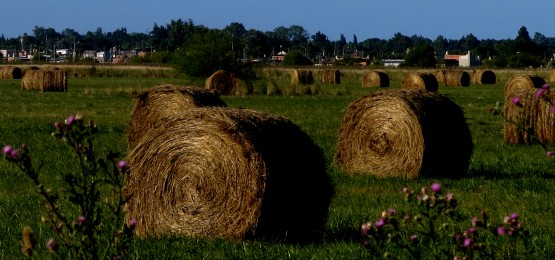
(482, 77)
(422, 80)
(223, 82)
(303, 77)
(331, 77)
(29, 68)
(524, 87)
(228, 173)
(45, 80)
(457, 78)
(375, 79)
(440, 76)
(11, 72)
(28, 79)
(152, 106)
(404, 133)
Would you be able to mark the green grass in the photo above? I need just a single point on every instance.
(502, 178)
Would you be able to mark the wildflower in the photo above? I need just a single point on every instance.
(501, 231)
(406, 191)
(7, 150)
(132, 223)
(545, 86)
(122, 164)
(471, 230)
(392, 211)
(57, 125)
(70, 120)
(81, 219)
(366, 227)
(549, 154)
(14, 154)
(514, 216)
(436, 187)
(467, 242)
(413, 237)
(539, 93)
(516, 100)
(52, 244)
(380, 223)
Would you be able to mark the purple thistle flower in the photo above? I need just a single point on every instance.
(14, 154)
(449, 197)
(81, 219)
(69, 120)
(545, 86)
(501, 231)
(380, 223)
(392, 211)
(539, 93)
(471, 230)
(52, 244)
(549, 154)
(467, 242)
(516, 100)
(7, 150)
(514, 216)
(413, 237)
(436, 187)
(132, 223)
(122, 164)
(57, 125)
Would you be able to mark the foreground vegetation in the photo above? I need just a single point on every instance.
(502, 178)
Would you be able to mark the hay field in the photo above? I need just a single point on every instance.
(502, 178)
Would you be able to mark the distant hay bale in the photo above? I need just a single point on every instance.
(440, 76)
(483, 77)
(524, 87)
(11, 72)
(227, 173)
(375, 79)
(30, 68)
(152, 106)
(223, 82)
(404, 133)
(422, 80)
(45, 80)
(303, 77)
(457, 78)
(331, 77)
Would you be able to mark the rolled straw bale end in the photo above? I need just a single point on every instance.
(426, 81)
(404, 133)
(375, 79)
(223, 82)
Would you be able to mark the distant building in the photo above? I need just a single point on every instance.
(466, 60)
(392, 62)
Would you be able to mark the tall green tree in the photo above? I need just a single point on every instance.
(421, 56)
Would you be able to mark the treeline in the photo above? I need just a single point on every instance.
(252, 44)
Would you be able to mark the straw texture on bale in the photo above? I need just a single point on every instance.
(483, 77)
(223, 82)
(10, 72)
(440, 76)
(457, 78)
(45, 80)
(422, 80)
(153, 105)
(30, 68)
(304, 77)
(227, 173)
(375, 79)
(404, 133)
(331, 77)
(552, 76)
(523, 86)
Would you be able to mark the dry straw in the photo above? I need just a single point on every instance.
(552, 76)
(375, 79)
(49, 79)
(404, 133)
(440, 76)
(331, 77)
(223, 82)
(227, 173)
(421, 80)
(483, 77)
(457, 78)
(153, 105)
(532, 112)
(303, 77)
(10, 72)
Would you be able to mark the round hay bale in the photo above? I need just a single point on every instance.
(331, 77)
(457, 78)
(223, 82)
(28, 80)
(11, 72)
(303, 77)
(483, 77)
(404, 133)
(425, 81)
(227, 173)
(523, 86)
(552, 76)
(375, 79)
(153, 105)
(27, 69)
(440, 76)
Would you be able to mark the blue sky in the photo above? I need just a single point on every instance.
(485, 19)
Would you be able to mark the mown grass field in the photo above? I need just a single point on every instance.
(502, 178)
